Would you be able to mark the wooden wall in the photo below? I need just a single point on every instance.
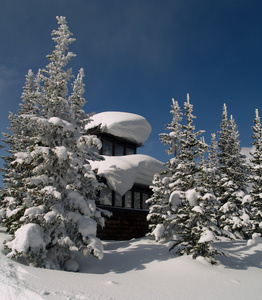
(125, 224)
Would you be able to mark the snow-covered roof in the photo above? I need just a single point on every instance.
(129, 126)
(121, 172)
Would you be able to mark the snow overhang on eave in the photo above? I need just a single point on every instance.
(122, 172)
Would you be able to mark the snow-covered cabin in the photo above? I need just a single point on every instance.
(127, 175)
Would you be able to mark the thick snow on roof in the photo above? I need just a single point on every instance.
(130, 126)
(121, 172)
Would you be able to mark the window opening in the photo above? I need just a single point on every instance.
(145, 196)
(107, 148)
(130, 151)
(128, 199)
(119, 150)
(137, 200)
(118, 200)
(106, 196)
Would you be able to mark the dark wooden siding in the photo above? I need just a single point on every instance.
(124, 224)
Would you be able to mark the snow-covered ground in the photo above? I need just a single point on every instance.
(140, 269)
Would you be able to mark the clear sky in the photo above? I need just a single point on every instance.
(138, 54)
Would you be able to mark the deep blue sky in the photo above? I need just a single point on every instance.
(138, 54)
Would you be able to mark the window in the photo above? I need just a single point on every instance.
(137, 204)
(116, 147)
(119, 150)
(107, 148)
(128, 199)
(133, 199)
(118, 200)
(106, 196)
(145, 196)
(130, 151)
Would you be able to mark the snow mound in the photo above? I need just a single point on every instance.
(131, 269)
(121, 172)
(130, 126)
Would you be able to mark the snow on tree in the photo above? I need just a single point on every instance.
(189, 217)
(195, 217)
(50, 208)
(159, 207)
(233, 217)
(196, 225)
(256, 175)
(190, 151)
(212, 164)
(173, 137)
(22, 136)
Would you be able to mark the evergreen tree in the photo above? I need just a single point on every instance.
(22, 128)
(160, 213)
(213, 175)
(194, 215)
(54, 211)
(256, 175)
(172, 139)
(188, 216)
(159, 208)
(233, 218)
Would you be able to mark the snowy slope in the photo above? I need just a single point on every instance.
(140, 269)
(129, 126)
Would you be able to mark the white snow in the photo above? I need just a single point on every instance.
(198, 209)
(207, 236)
(61, 152)
(78, 202)
(140, 269)
(175, 199)
(66, 126)
(192, 196)
(50, 190)
(121, 172)
(158, 231)
(86, 225)
(33, 211)
(27, 236)
(121, 124)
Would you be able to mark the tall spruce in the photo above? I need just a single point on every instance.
(159, 207)
(55, 191)
(256, 174)
(21, 135)
(188, 209)
(213, 174)
(234, 219)
(193, 205)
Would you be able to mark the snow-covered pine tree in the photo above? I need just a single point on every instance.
(193, 205)
(256, 175)
(57, 211)
(22, 128)
(234, 219)
(159, 207)
(172, 139)
(179, 209)
(213, 175)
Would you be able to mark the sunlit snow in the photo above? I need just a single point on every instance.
(129, 126)
(121, 172)
(140, 269)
